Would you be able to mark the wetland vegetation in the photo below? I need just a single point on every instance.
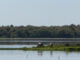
(48, 48)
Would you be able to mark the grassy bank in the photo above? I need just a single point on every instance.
(47, 48)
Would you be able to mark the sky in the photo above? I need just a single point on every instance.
(39, 12)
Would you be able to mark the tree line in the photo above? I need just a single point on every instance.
(66, 31)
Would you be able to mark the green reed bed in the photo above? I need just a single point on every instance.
(48, 48)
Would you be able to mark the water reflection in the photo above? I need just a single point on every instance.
(51, 53)
(38, 55)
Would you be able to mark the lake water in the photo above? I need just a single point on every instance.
(38, 55)
(35, 55)
(17, 46)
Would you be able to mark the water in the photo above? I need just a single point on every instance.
(17, 46)
(35, 55)
(38, 55)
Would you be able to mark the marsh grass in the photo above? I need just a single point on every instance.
(48, 48)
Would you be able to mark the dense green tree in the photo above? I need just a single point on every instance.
(66, 31)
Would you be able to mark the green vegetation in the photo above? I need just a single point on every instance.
(66, 31)
(56, 47)
(48, 48)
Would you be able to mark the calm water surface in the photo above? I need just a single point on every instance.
(35, 55)
(16, 46)
(38, 55)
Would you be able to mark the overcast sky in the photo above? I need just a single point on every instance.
(39, 12)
